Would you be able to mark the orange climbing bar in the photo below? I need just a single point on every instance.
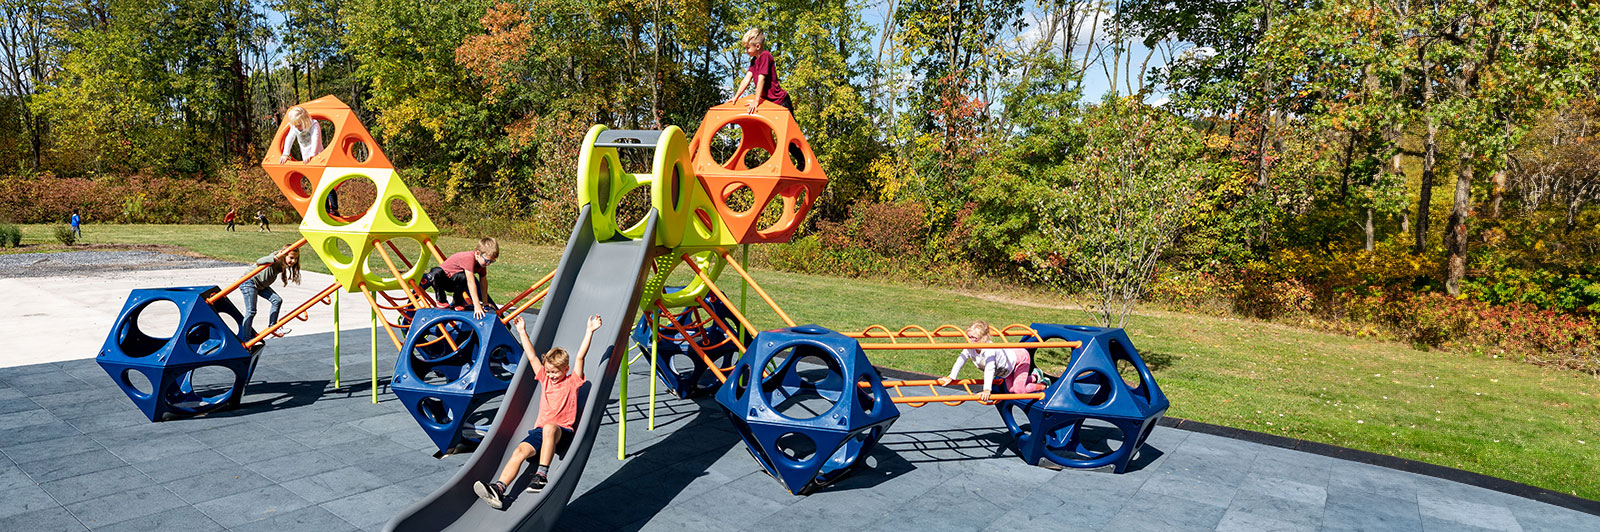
(321, 297)
(756, 286)
(972, 345)
(718, 320)
(386, 327)
(718, 291)
(397, 253)
(942, 331)
(235, 285)
(918, 401)
(693, 344)
(376, 244)
(535, 286)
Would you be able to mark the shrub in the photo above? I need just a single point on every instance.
(10, 235)
(65, 235)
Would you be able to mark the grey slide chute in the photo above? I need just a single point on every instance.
(593, 277)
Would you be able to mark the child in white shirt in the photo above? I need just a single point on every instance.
(1013, 365)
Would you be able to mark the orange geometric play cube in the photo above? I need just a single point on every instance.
(298, 179)
(796, 182)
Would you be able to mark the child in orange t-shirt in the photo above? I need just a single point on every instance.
(558, 412)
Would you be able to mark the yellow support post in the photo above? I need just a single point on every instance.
(336, 339)
(622, 413)
(374, 355)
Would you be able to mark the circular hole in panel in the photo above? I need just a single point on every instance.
(1090, 439)
(703, 224)
(755, 157)
(1023, 426)
(725, 143)
(434, 410)
(137, 382)
(1125, 369)
(778, 213)
(327, 132)
(433, 352)
(402, 251)
(603, 179)
(741, 381)
(335, 250)
(741, 199)
(500, 363)
(803, 382)
(208, 386)
(357, 149)
(357, 194)
(149, 327)
(300, 185)
(1091, 387)
(204, 339)
(1051, 360)
(797, 447)
(633, 207)
(678, 184)
(400, 212)
(865, 395)
(683, 365)
(798, 156)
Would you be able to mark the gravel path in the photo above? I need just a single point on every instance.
(80, 262)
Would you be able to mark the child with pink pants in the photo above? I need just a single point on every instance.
(1013, 365)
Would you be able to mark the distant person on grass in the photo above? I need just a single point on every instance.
(765, 75)
(285, 263)
(558, 413)
(261, 223)
(232, 216)
(467, 271)
(307, 134)
(1014, 366)
(77, 224)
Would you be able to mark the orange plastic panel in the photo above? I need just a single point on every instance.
(780, 178)
(339, 150)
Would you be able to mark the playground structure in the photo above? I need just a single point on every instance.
(699, 340)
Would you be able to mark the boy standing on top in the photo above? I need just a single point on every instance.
(558, 413)
(762, 71)
(467, 271)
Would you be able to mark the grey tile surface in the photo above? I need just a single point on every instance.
(300, 455)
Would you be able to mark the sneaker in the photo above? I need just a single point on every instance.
(491, 493)
(441, 305)
(537, 484)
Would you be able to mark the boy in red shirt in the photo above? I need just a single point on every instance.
(558, 412)
(762, 72)
(451, 276)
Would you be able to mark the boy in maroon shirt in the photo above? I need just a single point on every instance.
(762, 72)
(451, 276)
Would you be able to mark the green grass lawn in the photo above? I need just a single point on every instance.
(1497, 417)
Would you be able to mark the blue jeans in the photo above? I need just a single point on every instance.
(249, 290)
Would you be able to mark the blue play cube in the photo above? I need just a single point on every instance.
(157, 372)
(441, 384)
(814, 451)
(1073, 424)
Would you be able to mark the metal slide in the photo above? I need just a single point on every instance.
(602, 278)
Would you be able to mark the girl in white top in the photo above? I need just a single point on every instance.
(1013, 365)
(303, 131)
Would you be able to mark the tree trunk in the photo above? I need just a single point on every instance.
(1430, 151)
(1456, 231)
(1371, 241)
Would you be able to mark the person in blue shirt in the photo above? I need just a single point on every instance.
(77, 223)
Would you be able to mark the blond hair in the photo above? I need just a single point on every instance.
(753, 36)
(980, 327)
(556, 357)
(489, 247)
(298, 117)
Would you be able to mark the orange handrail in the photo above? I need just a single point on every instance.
(718, 320)
(694, 345)
(376, 244)
(397, 253)
(974, 345)
(531, 288)
(699, 325)
(235, 285)
(319, 298)
(524, 308)
(718, 291)
(918, 401)
(756, 286)
(386, 327)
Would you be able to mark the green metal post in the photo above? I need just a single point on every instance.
(744, 259)
(336, 339)
(374, 356)
(622, 413)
